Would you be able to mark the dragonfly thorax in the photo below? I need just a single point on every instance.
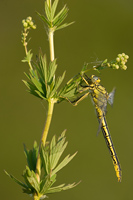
(94, 79)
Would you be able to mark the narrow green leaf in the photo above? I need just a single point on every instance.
(44, 68)
(55, 189)
(32, 88)
(44, 19)
(57, 84)
(66, 160)
(16, 180)
(56, 156)
(52, 144)
(35, 94)
(61, 187)
(60, 20)
(32, 179)
(27, 84)
(47, 11)
(53, 9)
(27, 75)
(51, 70)
(64, 25)
(60, 17)
(37, 84)
(42, 96)
(48, 2)
(29, 158)
(70, 186)
(45, 159)
(45, 185)
(56, 18)
(48, 92)
(56, 150)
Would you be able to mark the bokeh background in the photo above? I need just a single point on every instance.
(102, 29)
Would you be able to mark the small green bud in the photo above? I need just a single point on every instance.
(31, 23)
(117, 59)
(116, 66)
(113, 65)
(123, 54)
(25, 24)
(23, 21)
(122, 58)
(34, 26)
(29, 18)
(126, 57)
(124, 67)
(119, 55)
(25, 43)
(125, 60)
(108, 64)
(24, 34)
(123, 63)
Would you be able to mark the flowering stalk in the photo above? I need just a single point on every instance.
(27, 24)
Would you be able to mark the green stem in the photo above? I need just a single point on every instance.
(50, 109)
(51, 44)
(49, 3)
(44, 136)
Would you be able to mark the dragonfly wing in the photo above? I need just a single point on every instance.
(100, 119)
(111, 97)
(101, 112)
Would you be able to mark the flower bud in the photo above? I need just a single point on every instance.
(124, 67)
(118, 59)
(25, 24)
(116, 66)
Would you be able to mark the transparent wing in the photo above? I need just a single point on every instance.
(111, 97)
(101, 110)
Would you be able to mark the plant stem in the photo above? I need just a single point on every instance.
(51, 43)
(44, 136)
(49, 3)
(51, 103)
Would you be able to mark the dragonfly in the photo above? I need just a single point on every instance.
(100, 98)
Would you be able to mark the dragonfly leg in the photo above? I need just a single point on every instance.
(76, 101)
(79, 99)
(85, 80)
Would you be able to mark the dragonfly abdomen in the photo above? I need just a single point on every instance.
(109, 142)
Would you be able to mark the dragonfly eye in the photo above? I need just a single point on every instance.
(95, 79)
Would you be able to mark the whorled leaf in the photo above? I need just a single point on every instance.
(50, 156)
(31, 156)
(66, 160)
(16, 180)
(53, 8)
(61, 187)
(53, 21)
(41, 79)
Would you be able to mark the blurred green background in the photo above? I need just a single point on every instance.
(102, 29)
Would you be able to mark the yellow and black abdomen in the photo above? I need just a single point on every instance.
(107, 137)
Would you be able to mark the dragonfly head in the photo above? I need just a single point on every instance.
(94, 79)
